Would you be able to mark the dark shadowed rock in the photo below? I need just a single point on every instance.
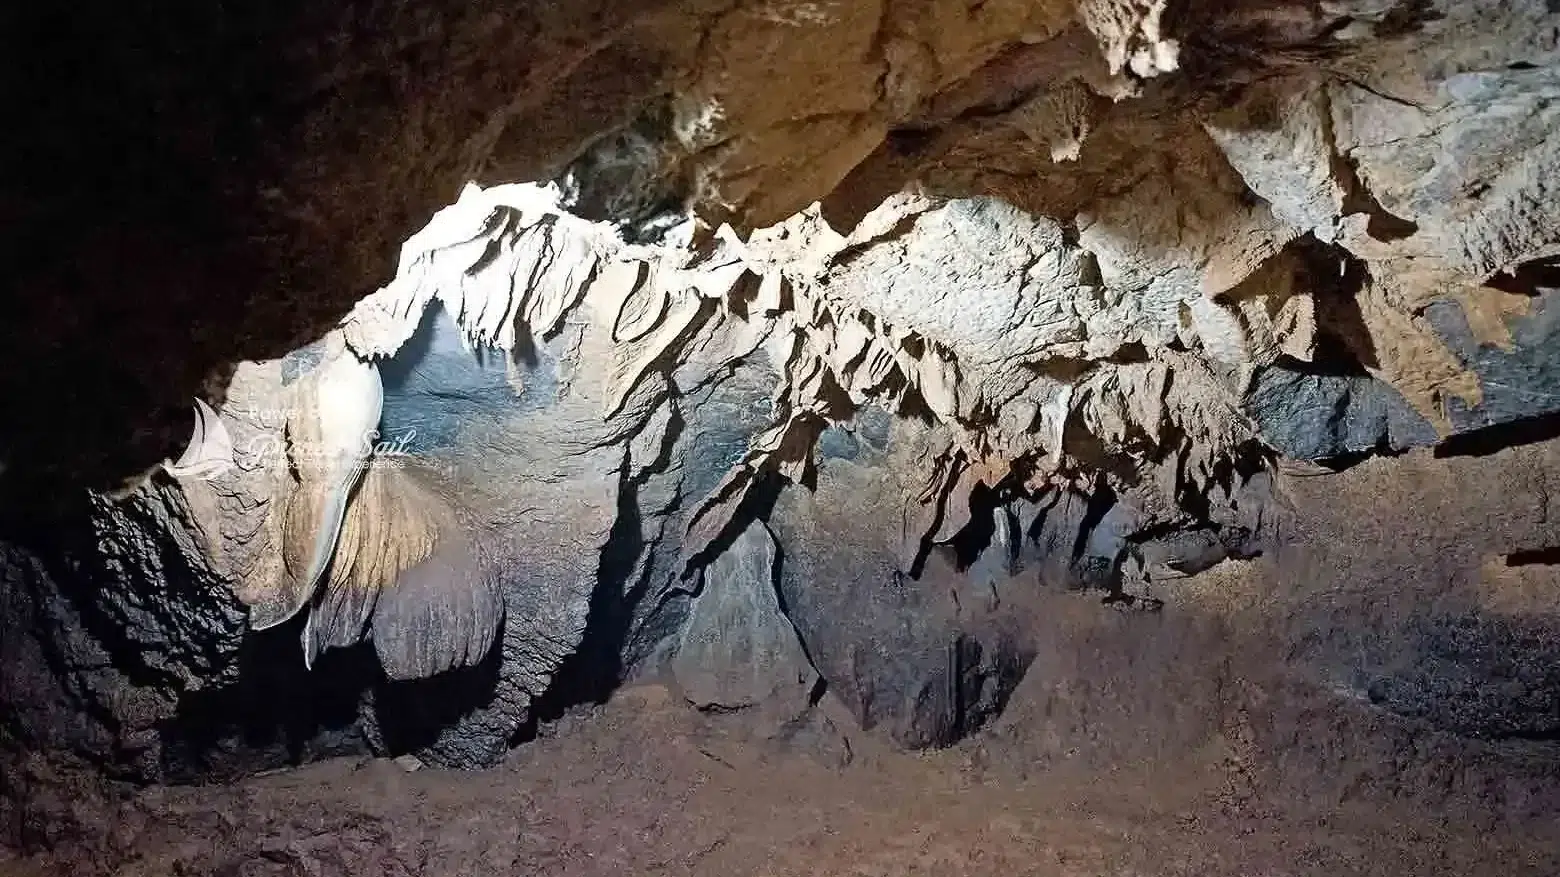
(1317, 416)
(108, 624)
(1048, 527)
(737, 649)
(925, 660)
(544, 514)
(55, 681)
(581, 518)
(705, 427)
(1515, 383)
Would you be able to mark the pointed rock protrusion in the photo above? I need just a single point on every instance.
(737, 649)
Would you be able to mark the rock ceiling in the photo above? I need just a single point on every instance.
(1356, 184)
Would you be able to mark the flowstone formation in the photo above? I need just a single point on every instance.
(791, 394)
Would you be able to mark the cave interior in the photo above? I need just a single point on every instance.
(783, 437)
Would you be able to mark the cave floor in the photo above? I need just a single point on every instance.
(647, 786)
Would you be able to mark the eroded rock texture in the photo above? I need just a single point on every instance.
(842, 331)
(115, 619)
(1181, 146)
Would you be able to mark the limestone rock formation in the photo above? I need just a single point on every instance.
(737, 649)
(1266, 124)
(1057, 293)
(925, 659)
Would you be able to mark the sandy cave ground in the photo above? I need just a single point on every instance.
(646, 785)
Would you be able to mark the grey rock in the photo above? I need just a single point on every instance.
(1515, 384)
(1317, 416)
(1050, 525)
(714, 417)
(1183, 553)
(539, 480)
(926, 661)
(737, 649)
(436, 388)
(129, 618)
(581, 518)
(1106, 546)
(1071, 541)
(998, 562)
(110, 621)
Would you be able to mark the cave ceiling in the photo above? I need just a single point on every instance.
(1187, 178)
(1114, 246)
(1145, 228)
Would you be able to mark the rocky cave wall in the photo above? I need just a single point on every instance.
(774, 390)
(312, 141)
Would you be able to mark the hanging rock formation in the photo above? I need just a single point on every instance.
(764, 345)
(1268, 126)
